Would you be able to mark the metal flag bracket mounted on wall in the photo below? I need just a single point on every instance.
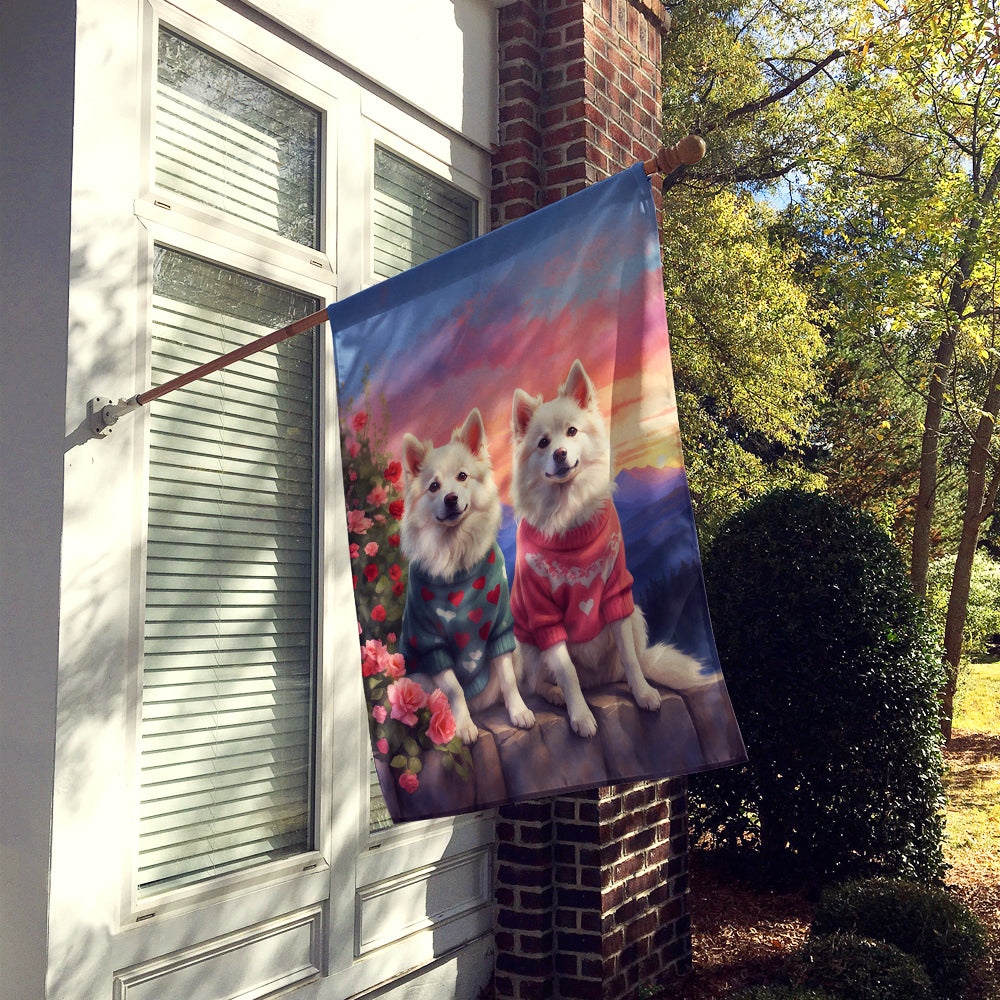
(103, 413)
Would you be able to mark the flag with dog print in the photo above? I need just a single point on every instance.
(531, 610)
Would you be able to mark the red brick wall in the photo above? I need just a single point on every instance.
(579, 96)
(591, 890)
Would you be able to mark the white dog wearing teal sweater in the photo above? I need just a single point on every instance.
(457, 624)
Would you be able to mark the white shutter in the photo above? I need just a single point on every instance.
(228, 664)
(416, 216)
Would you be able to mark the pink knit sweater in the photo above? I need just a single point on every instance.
(569, 587)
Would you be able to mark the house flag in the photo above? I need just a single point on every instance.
(531, 608)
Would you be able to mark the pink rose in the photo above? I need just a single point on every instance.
(371, 549)
(358, 522)
(359, 421)
(438, 702)
(375, 658)
(353, 449)
(395, 666)
(408, 782)
(407, 698)
(383, 745)
(353, 476)
(442, 727)
(355, 551)
(380, 714)
(377, 497)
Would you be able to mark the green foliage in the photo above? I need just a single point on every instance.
(857, 968)
(746, 353)
(983, 611)
(926, 922)
(833, 674)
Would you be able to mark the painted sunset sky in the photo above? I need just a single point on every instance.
(580, 279)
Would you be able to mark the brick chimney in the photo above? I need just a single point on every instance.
(591, 889)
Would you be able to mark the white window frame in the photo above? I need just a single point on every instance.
(351, 876)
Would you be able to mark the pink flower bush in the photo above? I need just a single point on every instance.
(405, 724)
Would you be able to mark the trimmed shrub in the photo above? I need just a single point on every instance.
(925, 922)
(833, 672)
(857, 968)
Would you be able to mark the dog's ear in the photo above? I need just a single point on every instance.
(578, 386)
(522, 412)
(414, 454)
(473, 434)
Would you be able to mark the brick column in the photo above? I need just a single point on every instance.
(591, 889)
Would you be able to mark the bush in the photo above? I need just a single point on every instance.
(925, 922)
(856, 968)
(833, 672)
(782, 993)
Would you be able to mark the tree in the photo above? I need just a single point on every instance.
(747, 358)
(913, 183)
(747, 354)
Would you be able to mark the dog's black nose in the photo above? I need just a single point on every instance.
(451, 501)
(560, 455)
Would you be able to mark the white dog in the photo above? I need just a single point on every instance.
(572, 600)
(457, 624)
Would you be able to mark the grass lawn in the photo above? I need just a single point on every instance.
(973, 783)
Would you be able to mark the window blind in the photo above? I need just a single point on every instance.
(416, 216)
(228, 140)
(228, 653)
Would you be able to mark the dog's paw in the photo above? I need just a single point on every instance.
(553, 694)
(647, 697)
(522, 718)
(468, 732)
(584, 725)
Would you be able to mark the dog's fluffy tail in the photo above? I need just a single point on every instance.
(667, 665)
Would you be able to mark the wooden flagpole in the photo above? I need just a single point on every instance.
(102, 413)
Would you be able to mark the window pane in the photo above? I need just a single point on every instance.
(228, 140)
(228, 657)
(417, 215)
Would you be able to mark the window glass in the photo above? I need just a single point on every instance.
(416, 215)
(228, 140)
(228, 680)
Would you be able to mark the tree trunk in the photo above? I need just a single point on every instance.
(920, 553)
(980, 499)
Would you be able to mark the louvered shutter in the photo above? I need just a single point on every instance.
(416, 216)
(228, 659)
